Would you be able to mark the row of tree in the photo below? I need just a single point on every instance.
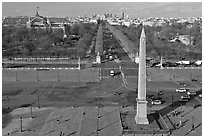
(22, 41)
(158, 44)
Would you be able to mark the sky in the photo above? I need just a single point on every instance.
(132, 9)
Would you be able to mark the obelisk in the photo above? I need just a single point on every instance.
(141, 116)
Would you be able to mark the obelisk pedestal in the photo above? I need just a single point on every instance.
(141, 116)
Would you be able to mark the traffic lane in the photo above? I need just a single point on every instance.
(119, 51)
(130, 72)
(116, 49)
(189, 85)
(107, 64)
(163, 89)
(122, 54)
(129, 64)
(105, 72)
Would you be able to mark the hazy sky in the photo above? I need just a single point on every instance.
(133, 9)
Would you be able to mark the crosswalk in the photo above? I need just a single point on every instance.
(116, 68)
(106, 77)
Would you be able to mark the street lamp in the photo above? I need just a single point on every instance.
(97, 120)
(181, 108)
(31, 112)
(172, 99)
(21, 124)
(58, 76)
(16, 77)
(193, 127)
(180, 122)
(74, 100)
(37, 76)
(8, 100)
(97, 115)
(38, 101)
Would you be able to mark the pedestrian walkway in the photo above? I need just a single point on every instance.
(189, 118)
(83, 121)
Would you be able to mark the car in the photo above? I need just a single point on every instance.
(112, 73)
(184, 100)
(197, 105)
(185, 97)
(175, 113)
(191, 93)
(194, 80)
(159, 92)
(117, 93)
(87, 56)
(156, 102)
(182, 83)
(181, 90)
(200, 95)
(156, 98)
(110, 57)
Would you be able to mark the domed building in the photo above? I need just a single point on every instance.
(38, 21)
(52, 23)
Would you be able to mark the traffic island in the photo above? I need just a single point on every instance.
(156, 125)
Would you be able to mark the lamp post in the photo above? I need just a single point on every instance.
(8, 100)
(181, 108)
(172, 99)
(180, 122)
(97, 115)
(31, 112)
(16, 77)
(74, 100)
(21, 124)
(58, 76)
(78, 75)
(97, 121)
(193, 127)
(38, 101)
(37, 76)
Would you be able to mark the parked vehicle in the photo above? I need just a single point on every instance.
(197, 105)
(185, 97)
(157, 102)
(184, 100)
(181, 90)
(191, 93)
(117, 93)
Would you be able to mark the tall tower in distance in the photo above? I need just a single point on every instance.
(123, 15)
(141, 116)
(37, 12)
